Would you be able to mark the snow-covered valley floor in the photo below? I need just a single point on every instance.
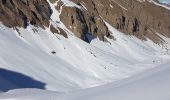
(153, 84)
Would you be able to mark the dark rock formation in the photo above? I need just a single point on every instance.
(82, 22)
(21, 12)
(141, 19)
(58, 31)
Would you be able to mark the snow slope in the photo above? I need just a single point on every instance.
(150, 85)
(76, 64)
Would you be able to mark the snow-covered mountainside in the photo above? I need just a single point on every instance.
(75, 64)
(78, 45)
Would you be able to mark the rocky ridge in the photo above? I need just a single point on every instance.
(143, 19)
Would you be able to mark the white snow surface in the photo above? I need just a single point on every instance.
(153, 84)
(77, 69)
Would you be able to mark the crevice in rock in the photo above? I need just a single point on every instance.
(3, 1)
(123, 21)
(117, 25)
(33, 22)
(24, 2)
(35, 15)
(80, 15)
(94, 6)
(95, 30)
(25, 20)
(146, 29)
(135, 25)
(91, 18)
(12, 3)
(25, 23)
(72, 20)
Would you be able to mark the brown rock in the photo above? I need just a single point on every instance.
(132, 17)
(81, 23)
(20, 12)
(58, 31)
(140, 19)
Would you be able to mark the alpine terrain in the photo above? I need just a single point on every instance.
(84, 50)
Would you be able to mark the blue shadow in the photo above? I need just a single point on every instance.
(13, 80)
(88, 37)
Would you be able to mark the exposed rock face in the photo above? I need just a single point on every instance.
(83, 23)
(133, 17)
(58, 31)
(21, 12)
(141, 19)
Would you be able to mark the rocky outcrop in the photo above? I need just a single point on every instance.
(141, 19)
(22, 12)
(58, 31)
(82, 23)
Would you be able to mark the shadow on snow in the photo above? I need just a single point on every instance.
(13, 80)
